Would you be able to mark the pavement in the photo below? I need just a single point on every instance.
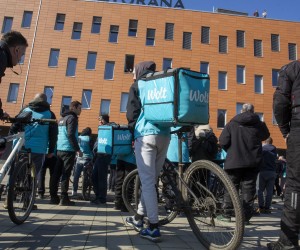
(87, 226)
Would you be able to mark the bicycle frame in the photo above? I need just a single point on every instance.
(7, 165)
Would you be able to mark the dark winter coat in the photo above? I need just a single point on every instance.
(269, 158)
(286, 99)
(242, 138)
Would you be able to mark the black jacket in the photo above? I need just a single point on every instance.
(269, 158)
(5, 59)
(242, 138)
(39, 106)
(286, 99)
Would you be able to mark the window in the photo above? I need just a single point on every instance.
(113, 34)
(96, 25)
(150, 38)
(91, 60)
(275, 42)
(7, 24)
(48, 91)
(22, 59)
(274, 122)
(124, 99)
(187, 40)
(292, 51)
(132, 28)
(260, 115)
(86, 99)
(65, 104)
(105, 107)
(240, 39)
(129, 63)
(109, 70)
(13, 92)
(240, 74)
(222, 44)
(221, 118)
(257, 48)
(167, 63)
(204, 67)
(71, 67)
(222, 80)
(205, 35)
(60, 21)
(169, 31)
(53, 58)
(239, 107)
(76, 34)
(26, 22)
(275, 74)
(258, 85)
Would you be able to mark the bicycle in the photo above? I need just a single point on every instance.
(21, 188)
(199, 196)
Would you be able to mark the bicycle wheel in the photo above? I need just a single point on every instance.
(131, 191)
(21, 190)
(214, 226)
(87, 184)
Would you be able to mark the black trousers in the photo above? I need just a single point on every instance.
(290, 220)
(244, 179)
(122, 170)
(62, 171)
(48, 163)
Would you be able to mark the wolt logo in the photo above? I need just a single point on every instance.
(157, 94)
(123, 137)
(196, 95)
(102, 141)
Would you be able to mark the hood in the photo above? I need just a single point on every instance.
(247, 119)
(69, 113)
(269, 147)
(39, 106)
(143, 67)
(5, 48)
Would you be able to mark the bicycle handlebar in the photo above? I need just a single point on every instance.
(25, 120)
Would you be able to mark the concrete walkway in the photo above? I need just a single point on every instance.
(86, 226)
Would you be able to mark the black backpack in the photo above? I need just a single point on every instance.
(206, 147)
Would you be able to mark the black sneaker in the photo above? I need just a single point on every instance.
(95, 202)
(65, 201)
(280, 246)
(54, 200)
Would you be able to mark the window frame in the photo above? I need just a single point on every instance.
(52, 55)
(62, 106)
(12, 95)
(129, 68)
(261, 84)
(49, 98)
(219, 112)
(113, 70)
(204, 63)
(113, 35)
(273, 77)
(150, 40)
(243, 76)
(24, 22)
(70, 59)
(275, 39)
(106, 101)
(294, 56)
(222, 40)
(205, 38)
(92, 63)
(240, 35)
(187, 40)
(167, 62)
(132, 29)
(86, 99)
(96, 25)
(6, 27)
(60, 22)
(123, 102)
(258, 42)
(220, 73)
(76, 31)
(169, 28)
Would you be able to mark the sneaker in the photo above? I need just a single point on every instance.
(153, 235)
(279, 246)
(74, 193)
(41, 196)
(54, 200)
(65, 201)
(95, 202)
(224, 218)
(5, 204)
(137, 225)
(257, 211)
(266, 211)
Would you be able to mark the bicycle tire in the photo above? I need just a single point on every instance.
(205, 215)
(21, 190)
(131, 191)
(87, 185)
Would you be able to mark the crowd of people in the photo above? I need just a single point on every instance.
(244, 150)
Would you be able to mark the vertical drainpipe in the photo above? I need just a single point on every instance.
(31, 51)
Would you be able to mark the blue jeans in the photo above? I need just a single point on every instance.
(266, 182)
(100, 173)
(77, 172)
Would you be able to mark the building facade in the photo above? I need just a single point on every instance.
(85, 51)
